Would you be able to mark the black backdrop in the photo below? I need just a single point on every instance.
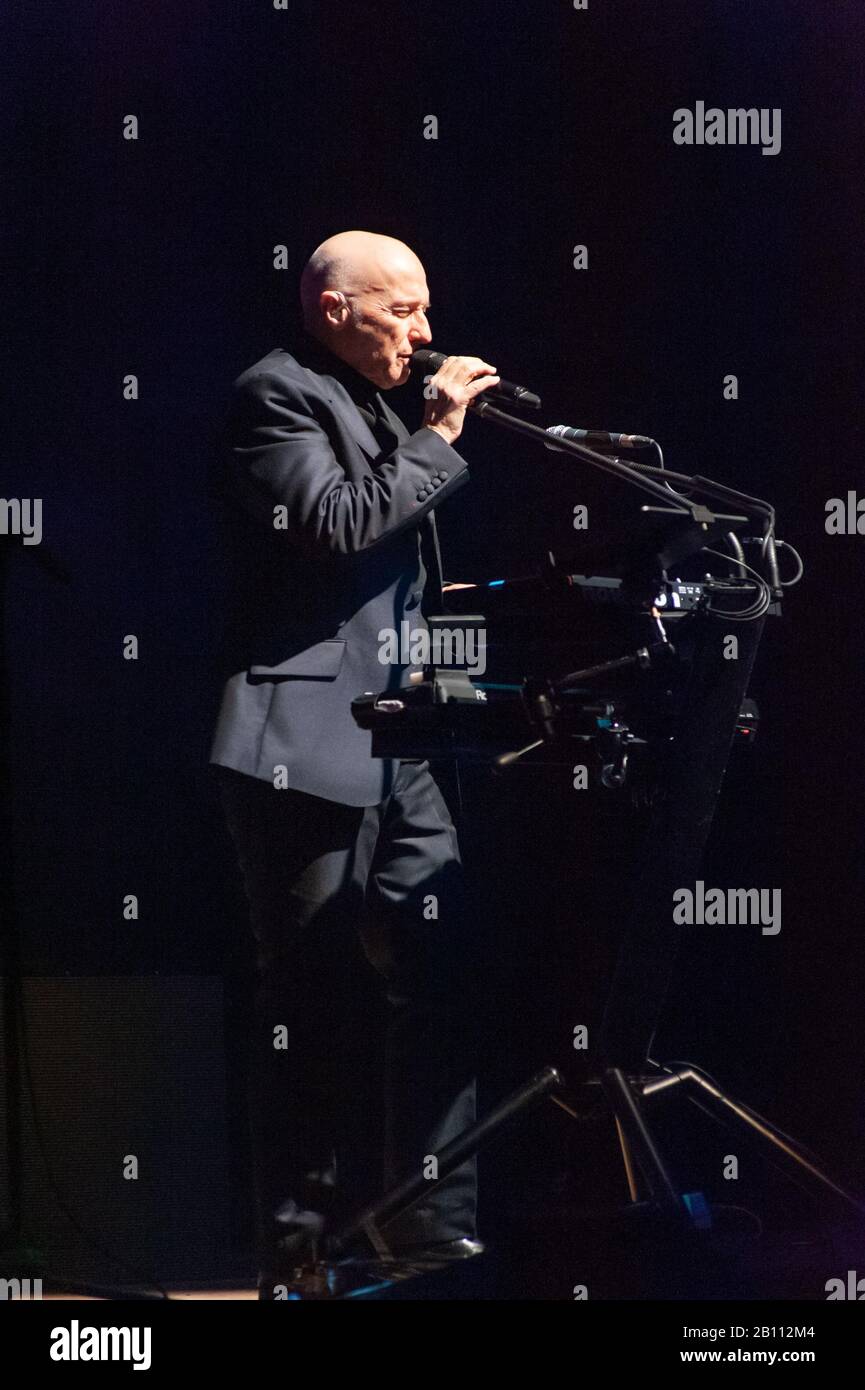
(260, 127)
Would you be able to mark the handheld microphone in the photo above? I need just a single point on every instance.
(613, 441)
(424, 360)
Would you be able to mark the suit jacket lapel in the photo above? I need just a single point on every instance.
(363, 435)
(349, 414)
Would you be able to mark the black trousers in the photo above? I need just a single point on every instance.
(332, 889)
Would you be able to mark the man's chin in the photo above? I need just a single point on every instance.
(398, 375)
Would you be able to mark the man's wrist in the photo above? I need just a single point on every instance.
(442, 434)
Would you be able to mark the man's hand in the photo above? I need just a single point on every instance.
(453, 388)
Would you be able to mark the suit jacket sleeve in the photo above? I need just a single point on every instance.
(285, 459)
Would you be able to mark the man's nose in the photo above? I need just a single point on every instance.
(420, 330)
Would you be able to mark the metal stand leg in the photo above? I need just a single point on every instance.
(626, 1096)
(639, 1141)
(731, 1112)
(369, 1221)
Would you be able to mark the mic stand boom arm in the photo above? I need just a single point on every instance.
(643, 475)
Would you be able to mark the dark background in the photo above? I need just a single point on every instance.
(155, 257)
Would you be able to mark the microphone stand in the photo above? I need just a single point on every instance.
(625, 1085)
(642, 475)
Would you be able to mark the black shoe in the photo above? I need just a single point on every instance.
(442, 1252)
(411, 1262)
(322, 1280)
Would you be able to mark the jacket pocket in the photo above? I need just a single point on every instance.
(321, 662)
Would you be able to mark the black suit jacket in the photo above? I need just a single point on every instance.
(324, 532)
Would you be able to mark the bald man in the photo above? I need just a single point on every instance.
(348, 860)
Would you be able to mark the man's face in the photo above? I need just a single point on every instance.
(387, 321)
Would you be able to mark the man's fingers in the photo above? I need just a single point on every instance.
(479, 368)
(464, 369)
(482, 384)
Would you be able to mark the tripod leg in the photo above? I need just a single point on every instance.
(630, 1118)
(369, 1221)
(734, 1112)
(628, 1160)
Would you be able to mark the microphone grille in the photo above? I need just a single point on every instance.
(426, 358)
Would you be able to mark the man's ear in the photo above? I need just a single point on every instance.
(334, 308)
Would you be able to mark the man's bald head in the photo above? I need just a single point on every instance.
(354, 263)
(365, 297)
